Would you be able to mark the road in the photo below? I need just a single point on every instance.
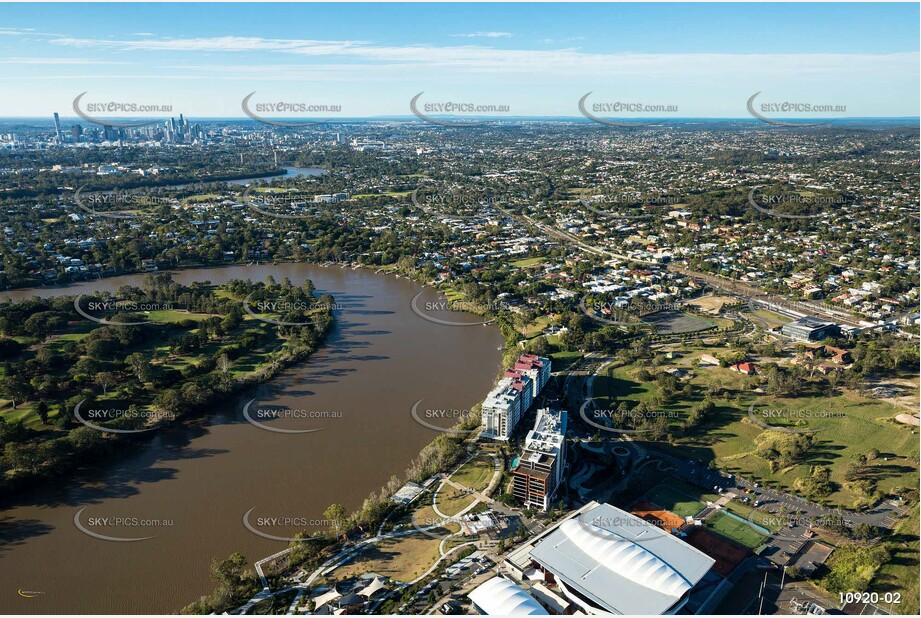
(732, 286)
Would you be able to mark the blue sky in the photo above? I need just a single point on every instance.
(538, 59)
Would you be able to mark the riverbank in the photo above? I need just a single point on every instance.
(154, 409)
(163, 182)
(279, 562)
(204, 476)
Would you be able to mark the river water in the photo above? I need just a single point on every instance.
(189, 486)
(290, 172)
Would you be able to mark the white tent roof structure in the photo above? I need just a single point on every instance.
(373, 587)
(326, 597)
(500, 597)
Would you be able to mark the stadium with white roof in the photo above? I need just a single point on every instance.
(608, 561)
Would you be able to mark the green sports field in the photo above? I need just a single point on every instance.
(739, 531)
(675, 501)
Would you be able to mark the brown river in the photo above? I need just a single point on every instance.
(180, 496)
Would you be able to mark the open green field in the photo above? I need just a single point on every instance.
(865, 424)
(451, 500)
(733, 529)
(727, 436)
(476, 473)
(561, 361)
(536, 327)
(386, 194)
(201, 197)
(616, 383)
(689, 490)
(524, 263)
(401, 559)
(453, 295)
(172, 316)
(76, 331)
(773, 319)
(674, 500)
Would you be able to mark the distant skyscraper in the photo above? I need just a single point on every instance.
(75, 132)
(57, 128)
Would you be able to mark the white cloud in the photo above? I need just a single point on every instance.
(53, 61)
(483, 35)
(24, 32)
(563, 60)
(216, 44)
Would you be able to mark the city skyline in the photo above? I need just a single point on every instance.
(370, 60)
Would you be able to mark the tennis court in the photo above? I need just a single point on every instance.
(727, 555)
(654, 515)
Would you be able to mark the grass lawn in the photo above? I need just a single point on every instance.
(453, 295)
(452, 501)
(402, 559)
(75, 332)
(689, 490)
(674, 500)
(727, 436)
(26, 412)
(386, 194)
(524, 263)
(201, 197)
(476, 473)
(900, 574)
(733, 529)
(561, 361)
(536, 327)
(172, 316)
(866, 424)
(760, 517)
(615, 383)
(258, 359)
(774, 319)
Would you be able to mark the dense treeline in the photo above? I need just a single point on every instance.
(130, 367)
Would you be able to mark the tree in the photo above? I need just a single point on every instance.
(817, 485)
(16, 390)
(863, 531)
(105, 379)
(141, 366)
(335, 515)
(41, 408)
(228, 573)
